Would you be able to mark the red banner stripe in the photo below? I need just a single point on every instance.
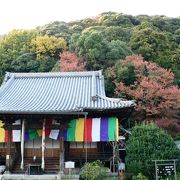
(88, 130)
(6, 135)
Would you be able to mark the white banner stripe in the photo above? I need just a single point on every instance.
(16, 135)
(96, 129)
(54, 134)
(17, 122)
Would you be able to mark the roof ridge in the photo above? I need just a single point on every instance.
(55, 74)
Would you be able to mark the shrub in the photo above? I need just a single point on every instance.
(93, 171)
(140, 176)
(148, 143)
(177, 138)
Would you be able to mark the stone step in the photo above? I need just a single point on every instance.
(39, 177)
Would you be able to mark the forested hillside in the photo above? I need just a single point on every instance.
(108, 41)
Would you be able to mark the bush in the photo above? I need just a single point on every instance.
(148, 143)
(93, 171)
(177, 138)
(172, 177)
(140, 176)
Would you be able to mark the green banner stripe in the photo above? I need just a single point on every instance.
(32, 134)
(111, 128)
(71, 130)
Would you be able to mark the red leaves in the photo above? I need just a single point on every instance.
(156, 73)
(153, 89)
(170, 125)
(70, 62)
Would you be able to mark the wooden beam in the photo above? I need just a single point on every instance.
(61, 152)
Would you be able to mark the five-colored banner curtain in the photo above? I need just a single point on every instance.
(79, 130)
(92, 130)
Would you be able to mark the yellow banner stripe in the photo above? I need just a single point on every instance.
(79, 130)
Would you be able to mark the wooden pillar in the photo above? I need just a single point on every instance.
(8, 151)
(22, 144)
(113, 145)
(61, 152)
(86, 155)
(43, 145)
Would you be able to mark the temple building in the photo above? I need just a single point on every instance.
(51, 118)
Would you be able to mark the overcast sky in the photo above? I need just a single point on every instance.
(28, 14)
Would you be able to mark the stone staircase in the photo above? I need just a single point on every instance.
(51, 165)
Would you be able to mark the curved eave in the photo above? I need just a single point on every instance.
(106, 103)
(42, 112)
(80, 110)
(106, 109)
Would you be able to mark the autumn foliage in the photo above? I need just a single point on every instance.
(154, 92)
(71, 62)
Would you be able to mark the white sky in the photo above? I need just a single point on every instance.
(28, 14)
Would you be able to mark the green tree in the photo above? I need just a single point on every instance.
(118, 19)
(76, 28)
(117, 33)
(29, 63)
(13, 45)
(97, 51)
(57, 29)
(175, 64)
(148, 143)
(105, 16)
(92, 47)
(174, 23)
(25, 63)
(177, 36)
(88, 22)
(120, 72)
(117, 50)
(94, 28)
(73, 43)
(149, 42)
(47, 64)
(161, 22)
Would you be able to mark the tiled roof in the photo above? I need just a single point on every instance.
(56, 93)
